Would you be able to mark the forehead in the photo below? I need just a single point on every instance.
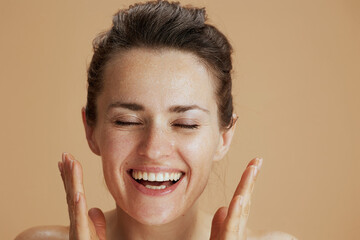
(165, 76)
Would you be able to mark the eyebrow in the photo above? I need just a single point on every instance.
(130, 106)
(137, 107)
(184, 108)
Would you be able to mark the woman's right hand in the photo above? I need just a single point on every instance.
(83, 225)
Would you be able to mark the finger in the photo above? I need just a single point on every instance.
(239, 208)
(76, 175)
(256, 162)
(81, 220)
(246, 178)
(60, 165)
(217, 222)
(62, 169)
(73, 178)
(232, 224)
(98, 219)
(247, 191)
(66, 166)
(82, 230)
(62, 173)
(67, 176)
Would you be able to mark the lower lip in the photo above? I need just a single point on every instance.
(155, 192)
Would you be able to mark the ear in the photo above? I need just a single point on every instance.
(226, 136)
(90, 136)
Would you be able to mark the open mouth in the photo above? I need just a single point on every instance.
(159, 180)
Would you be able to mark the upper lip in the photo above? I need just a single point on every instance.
(155, 169)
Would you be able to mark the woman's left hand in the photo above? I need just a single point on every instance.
(229, 223)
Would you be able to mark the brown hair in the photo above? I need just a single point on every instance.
(161, 24)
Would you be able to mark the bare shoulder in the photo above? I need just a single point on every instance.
(45, 232)
(270, 235)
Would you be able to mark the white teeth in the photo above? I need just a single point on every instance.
(145, 176)
(151, 177)
(158, 177)
(156, 187)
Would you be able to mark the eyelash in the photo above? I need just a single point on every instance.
(121, 123)
(190, 126)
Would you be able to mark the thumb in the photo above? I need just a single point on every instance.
(217, 222)
(98, 219)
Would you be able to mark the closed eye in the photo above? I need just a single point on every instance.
(122, 123)
(188, 126)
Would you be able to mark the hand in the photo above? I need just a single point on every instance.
(83, 225)
(230, 223)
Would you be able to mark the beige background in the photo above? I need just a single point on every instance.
(297, 74)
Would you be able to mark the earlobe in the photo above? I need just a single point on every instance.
(225, 140)
(90, 136)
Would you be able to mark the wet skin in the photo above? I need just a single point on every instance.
(157, 112)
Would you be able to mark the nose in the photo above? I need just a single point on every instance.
(156, 144)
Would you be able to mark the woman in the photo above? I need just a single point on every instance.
(159, 113)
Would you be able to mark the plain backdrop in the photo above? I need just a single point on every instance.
(296, 91)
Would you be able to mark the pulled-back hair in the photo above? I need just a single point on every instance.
(163, 24)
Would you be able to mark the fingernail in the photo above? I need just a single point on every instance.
(60, 166)
(71, 164)
(77, 197)
(255, 171)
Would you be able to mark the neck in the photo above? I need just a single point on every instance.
(187, 226)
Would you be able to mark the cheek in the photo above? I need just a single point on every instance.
(115, 148)
(198, 153)
(202, 146)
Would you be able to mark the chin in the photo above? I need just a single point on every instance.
(155, 215)
(153, 220)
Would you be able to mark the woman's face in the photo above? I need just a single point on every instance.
(157, 122)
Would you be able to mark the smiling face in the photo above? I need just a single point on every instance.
(157, 132)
